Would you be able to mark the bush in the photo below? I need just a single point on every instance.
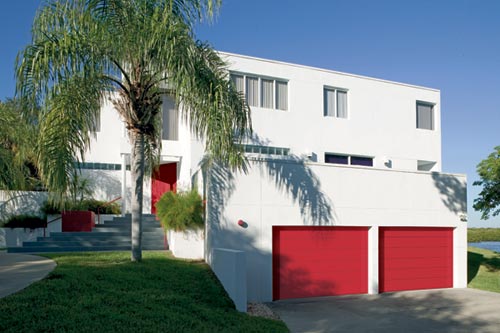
(50, 207)
(180, 211)
(26, 221)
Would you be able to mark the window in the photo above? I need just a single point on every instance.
(267, 94)
(425, 115)
(359, 160)
(349, 160)
(170, 119)
(238, 82)
(336, 159)
(425, 165)
(281, 95)
(252, 94)
(262, 92)
(266, 150)
(335, 103)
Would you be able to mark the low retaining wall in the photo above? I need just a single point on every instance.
(189, 244)
(230, 268)
(16, 236)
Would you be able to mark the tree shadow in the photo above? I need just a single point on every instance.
(20, 202)
(451, 310)
(292, 176)
(299, 182)
(105, 185)
(474, 261)
(453, 191)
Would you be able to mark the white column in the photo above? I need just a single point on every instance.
(124, 184)
(373, 248)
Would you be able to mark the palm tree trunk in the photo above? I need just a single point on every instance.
(137, 175)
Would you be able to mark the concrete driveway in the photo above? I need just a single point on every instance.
(438, 310)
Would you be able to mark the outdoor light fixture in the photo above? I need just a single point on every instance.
(242, 224)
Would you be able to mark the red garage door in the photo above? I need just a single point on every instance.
(415, 258)
(319, 261)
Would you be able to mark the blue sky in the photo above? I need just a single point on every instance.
(450, 45)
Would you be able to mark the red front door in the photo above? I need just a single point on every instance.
(163, 180)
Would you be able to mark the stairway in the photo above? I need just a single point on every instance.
(113, 235)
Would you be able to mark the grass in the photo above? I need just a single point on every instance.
(105, 292)
(483, 234)
(483, 269)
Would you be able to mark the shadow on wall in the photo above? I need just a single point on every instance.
(259, 265)
(453, 192)
(20, 202)
(106, 185)
(291, 176)
(298, 180)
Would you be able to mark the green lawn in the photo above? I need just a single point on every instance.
(105, 292)
(483, 269)
(483, 234)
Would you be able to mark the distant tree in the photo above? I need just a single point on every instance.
(132, 52)
(488, 170)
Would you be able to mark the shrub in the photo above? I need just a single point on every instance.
(87, 204)
(180, 211)
(26, 221)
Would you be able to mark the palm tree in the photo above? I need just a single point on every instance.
(16, 150)
(132, 52)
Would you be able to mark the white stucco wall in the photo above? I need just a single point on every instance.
(295, 193)
(381, 115)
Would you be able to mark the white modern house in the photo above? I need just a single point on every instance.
(345, 193)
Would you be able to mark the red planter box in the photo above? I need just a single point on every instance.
(78, 221)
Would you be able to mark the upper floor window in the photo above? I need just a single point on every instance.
(262, 92)
(335, 101)
(349, 160)
(170, 119)
(425, 115)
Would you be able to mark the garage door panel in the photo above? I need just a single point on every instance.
(415, 258)
(319, 261)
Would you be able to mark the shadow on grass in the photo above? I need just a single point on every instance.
(475, 260)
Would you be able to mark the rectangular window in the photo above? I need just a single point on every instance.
(359, 160)
(425, 115)
(336, 159)
(170, 119)
(98, 123)
(349, 160)
(267, 95)
(238, 82)
(262, 92)
(281, 95)
(335, 103)
(252, 94)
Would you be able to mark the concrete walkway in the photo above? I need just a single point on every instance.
(439, 310)
(17, 271)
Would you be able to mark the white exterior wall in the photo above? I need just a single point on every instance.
(381, 115)
(293, 193)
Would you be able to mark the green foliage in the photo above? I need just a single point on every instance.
(49, 207)
(96, 292)
(483, 269)
(488, 170)
(180, 211)
(17, 153)
(26, 221)
(475, 235)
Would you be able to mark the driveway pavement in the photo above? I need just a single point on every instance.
(17, 271)
(438, 310)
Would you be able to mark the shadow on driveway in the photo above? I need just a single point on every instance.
(439, 310)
